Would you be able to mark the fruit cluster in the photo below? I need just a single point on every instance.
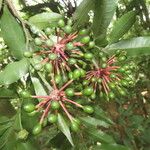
(64, 55)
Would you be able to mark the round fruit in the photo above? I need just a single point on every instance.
(101, 54)
(49, 42)
(74, 126)
(68, 29)
(122, 92)
(37, 129)
(124, 83)
(55, 105)
(113, 76)
(38, 66)
(88, 56)
(83, 32)
(72, 61)
(52, 56)
(25, 94)
(70, 75)
(93, 96)
(61, 23)
(99, 80)
(85, 82)
(111, 95)
(69, 92)
(38, 41)
(27, 54)
(122, 70)
(118, 52)
(48, 31)
(88, 91)
(48, 67)
(112, 85)
(52, 118)
(29, 107)
(122, 58)
(76, 73)
(70, 46)
(104, 65)
(83, 72)
(58, 79)
(88, 109)
(69, 22)
(85, 39)
(33, 113)
(91, 44)
(104, 59)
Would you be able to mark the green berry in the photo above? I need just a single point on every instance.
(48, 67)
(49, 42)
(55, 105)
(88, 56)
(58, 79)
(128, 72)
(101, 54)
(70, 75)
(83, 72)
(104, 65)
(25, 94)
(38, 66)
(85, 82)
(122, 70)
(28, 54)
(126, 67)
(76, 73)
(69, 46)
(69, 22)
(93, 96)
(94, 79)
(85, 40)
(91, 44)
(99, 80)
(69, 92)
(52, 118)
(68, 29)
(122, 92)
(83, 32)
(37, 129)
(112, 75)
(72, 61)
(74, 126)
(112, 85)
(124, 83)
(61, 23)
(29, 107)
(104, 59)
(111, 95)
(88, 91)
(38, 41)
(33, 113)
(122, 58)
(88, 109)
(52, 56)
(48, 31)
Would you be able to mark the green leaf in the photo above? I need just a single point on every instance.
(81, 14)
(13, 72)
(100, 136)
(103, 14)
(6, 93)
(64, 128)
(13, 34)
(135, 46)
(44, 20)
(122, 26)
(89, 121)
(111, 147)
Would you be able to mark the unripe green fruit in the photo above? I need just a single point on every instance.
(122, 70)
(52, 118)
(38, 66)
(113, 75)
(104, 65)
(52, 56)
(74, 126)
(93, 96)
(128, 72)
(85, 82)
(58, 79)
(61, 23)
(55, 105)
(124, 83)
(44, 122)
(33, 113)
(112, 85)
(126, 67)
(117, 52)
(85, 40)
(88, 56)
(88, 91)
(101, 54)
(69, 46)
(94, 79)
(27, 54)
(29, 107)
(49, 42)
(83, 72)
(83, 32)
(76, 73)
(88, 109)
(68, 29)
(48, 31)
(104, 59)
(69, 92)
(70, 75)
(37, 129)
(69, 22)
(25, 94)
(111, 95)
(38, 41)
(122, 58)
(48, 67)
(99, 80)
(72, 61)
(128, 79)
(122, 92)
(91, 44)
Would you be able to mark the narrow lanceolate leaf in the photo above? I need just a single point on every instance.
(89, 121)
(44, 20)
(103, 14)
(13, 72)
(13, 34)
(64, 128)
(134, 46)
(81, 14)
(100, 136)
(122, 26)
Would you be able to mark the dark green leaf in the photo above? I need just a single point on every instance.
(81, 13)
(122, 26)
(6, 93)
(14, 72)
(44, 20)
(135, 46)
(13, 34)
(64, 128)
(104, 11)
(100, 136)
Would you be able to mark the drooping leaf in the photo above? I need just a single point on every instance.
(45, 19)
(81, 13)
(122, 26)
(103, 14)
(7, 93)
(13, 72)
(100, 136)
(135, 46)
(89, 121)
(111, 147)
(64, 128)
(13, 34)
